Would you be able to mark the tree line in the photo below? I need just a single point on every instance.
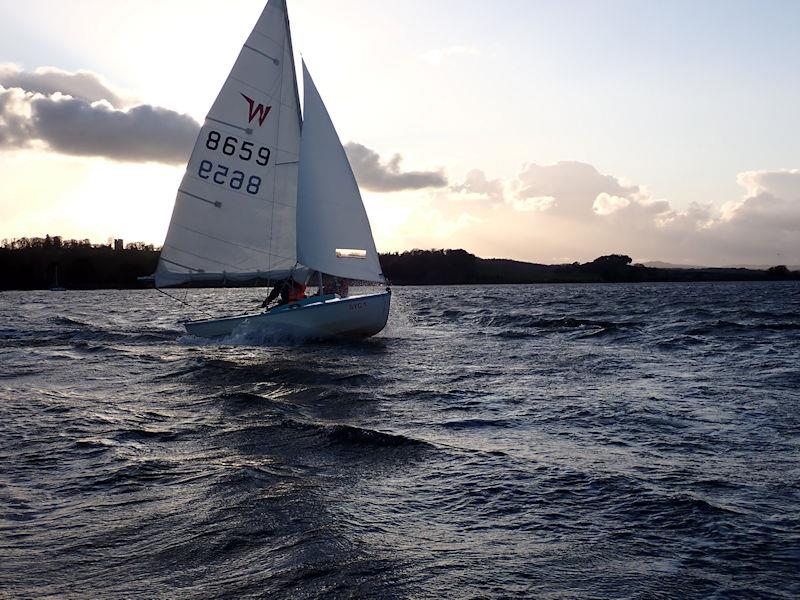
(42, 263)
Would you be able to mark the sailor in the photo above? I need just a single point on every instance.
(289, 291)
(297, 291)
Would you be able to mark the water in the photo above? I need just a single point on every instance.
(620, 441)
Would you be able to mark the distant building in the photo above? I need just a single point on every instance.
(118, 246)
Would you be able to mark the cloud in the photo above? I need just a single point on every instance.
(84, 85)
(387, 177)
(772, 201)
(477, 187)
(571, 211)
(606, 204)
(534, 203)
(78, 127)
(437, 56)
(573, 186)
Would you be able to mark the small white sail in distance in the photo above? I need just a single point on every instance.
(333, 231)
(235, 211)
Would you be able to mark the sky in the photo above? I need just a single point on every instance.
(543, 131)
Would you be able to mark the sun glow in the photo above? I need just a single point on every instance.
(86, 198)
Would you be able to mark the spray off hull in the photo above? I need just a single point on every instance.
(353, 317)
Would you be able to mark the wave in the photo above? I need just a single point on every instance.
(477, 423)
(338, 434)
(359, 436)
(68, 321)
(530, 322)
(722, 325)
(321, 435)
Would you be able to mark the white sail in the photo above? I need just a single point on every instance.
(234, 216)
(333, 232)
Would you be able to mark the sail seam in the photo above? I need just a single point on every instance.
(201, 257)
(266, 37)
(208, 235)
(247, 130)
(172, 262)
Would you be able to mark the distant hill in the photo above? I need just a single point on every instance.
(42, 263)
(420, 267)
(657, 264)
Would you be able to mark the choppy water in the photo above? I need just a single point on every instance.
(626, 441)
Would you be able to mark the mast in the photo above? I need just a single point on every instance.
(294, 68)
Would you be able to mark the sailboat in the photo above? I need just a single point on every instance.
(56, 287)
(269, 196)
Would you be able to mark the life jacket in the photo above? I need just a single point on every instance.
(297, 291)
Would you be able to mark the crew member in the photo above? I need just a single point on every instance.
(289, 291)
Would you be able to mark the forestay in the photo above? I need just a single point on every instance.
(333, 232)
(234, 215)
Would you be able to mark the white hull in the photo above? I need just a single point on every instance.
(353, 317)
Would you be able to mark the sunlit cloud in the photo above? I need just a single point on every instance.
(772, 201)
(606, 204)
(534, 204)
(477, 187)
(571, 209)
(82, 84)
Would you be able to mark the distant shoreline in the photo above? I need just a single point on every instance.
(45, 263)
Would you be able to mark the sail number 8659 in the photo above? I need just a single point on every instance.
(230, 146)
(236, 180)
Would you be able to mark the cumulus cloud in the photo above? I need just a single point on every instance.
(376, 176)
(477, 187)
(534, 203)
(84, 85)
(569, 184)
(571, 211)
(437, 56)
(772, 201)
(78, 127)
(606, 204)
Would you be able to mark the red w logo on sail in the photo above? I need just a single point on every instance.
(257, 110)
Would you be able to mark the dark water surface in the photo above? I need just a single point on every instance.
(625, 441)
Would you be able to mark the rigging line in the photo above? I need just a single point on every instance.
(159, 290)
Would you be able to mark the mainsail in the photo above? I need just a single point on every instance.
(235, 212)
(333, 232)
